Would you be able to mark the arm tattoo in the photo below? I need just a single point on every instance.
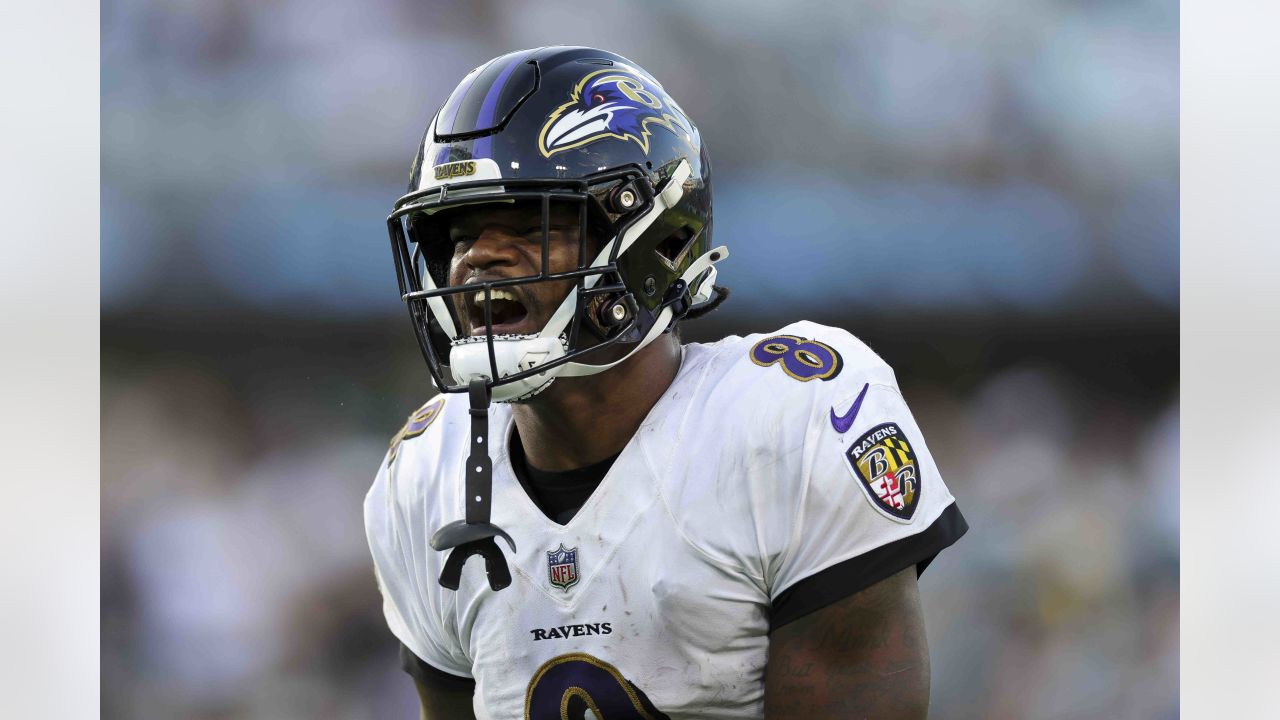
(863, 657)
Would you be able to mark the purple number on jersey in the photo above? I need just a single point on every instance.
(802, 359)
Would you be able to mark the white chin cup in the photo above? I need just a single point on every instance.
(469, 360)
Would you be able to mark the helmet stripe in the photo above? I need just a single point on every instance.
(449, 113)
(483, 146)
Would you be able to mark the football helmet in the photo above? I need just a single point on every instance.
(559, 125)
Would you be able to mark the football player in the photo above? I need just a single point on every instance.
(593, 520)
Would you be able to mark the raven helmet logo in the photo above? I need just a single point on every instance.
(886, 466)
(618, 102)
(562, 567)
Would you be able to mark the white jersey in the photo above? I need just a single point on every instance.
(769, 461)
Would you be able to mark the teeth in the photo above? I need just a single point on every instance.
(496, 294)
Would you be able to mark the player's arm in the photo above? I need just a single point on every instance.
(842, 529)
(414, 617)
(443, 696)
(862, 657)
(443, 703)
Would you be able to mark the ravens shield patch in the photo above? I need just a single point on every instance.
(885, 464)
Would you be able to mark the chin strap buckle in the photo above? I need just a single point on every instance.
(678, 298)
(475, 535)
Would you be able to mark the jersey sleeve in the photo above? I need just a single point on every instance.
(862, 499)
(416, 615)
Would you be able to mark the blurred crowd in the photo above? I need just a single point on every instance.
(918, 165)
(1017, 154)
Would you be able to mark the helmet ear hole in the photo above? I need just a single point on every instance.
(673, 248)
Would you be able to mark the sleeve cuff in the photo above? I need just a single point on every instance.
(846, 578)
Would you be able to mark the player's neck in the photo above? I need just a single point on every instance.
(583, 420)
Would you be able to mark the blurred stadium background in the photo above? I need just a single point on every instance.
(985, 191)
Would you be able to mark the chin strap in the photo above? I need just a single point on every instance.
(475, 535)
(697, 295)
(662, 202)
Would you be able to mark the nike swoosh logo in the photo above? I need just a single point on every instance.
(842, 423)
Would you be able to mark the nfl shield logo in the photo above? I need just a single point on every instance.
(562, 567)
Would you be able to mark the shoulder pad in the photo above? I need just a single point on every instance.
(418, 422)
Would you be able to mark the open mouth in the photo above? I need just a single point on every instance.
(507, 311)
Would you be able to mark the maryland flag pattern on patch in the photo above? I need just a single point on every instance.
(885, 464)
